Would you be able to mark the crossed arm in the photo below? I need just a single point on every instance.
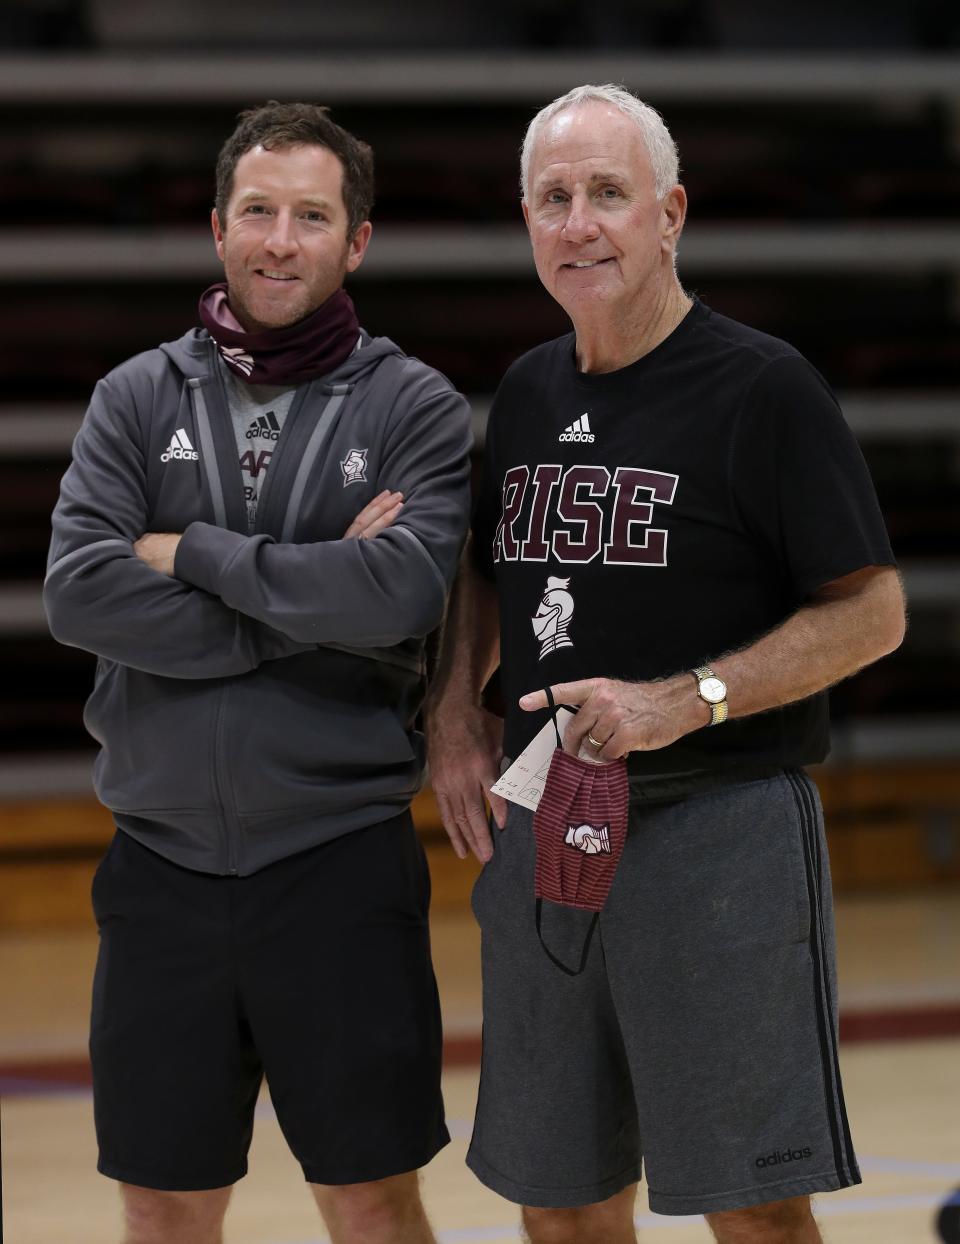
(236, 601)
(105, 596)
(101, 597)
(101, 592)
(159, 548)
(844, 626)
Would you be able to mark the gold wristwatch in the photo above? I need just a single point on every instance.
(713, 691)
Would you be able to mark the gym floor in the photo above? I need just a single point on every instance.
(900, 999)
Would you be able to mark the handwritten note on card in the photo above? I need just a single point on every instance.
(524, 781)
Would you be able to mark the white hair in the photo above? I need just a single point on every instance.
(660, 145)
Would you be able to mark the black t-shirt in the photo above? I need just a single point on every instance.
(645, 521)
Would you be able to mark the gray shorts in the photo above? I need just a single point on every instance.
(701, 1037)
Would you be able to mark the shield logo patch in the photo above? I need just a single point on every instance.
(354, 467)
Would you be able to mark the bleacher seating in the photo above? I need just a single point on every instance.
(883, 329)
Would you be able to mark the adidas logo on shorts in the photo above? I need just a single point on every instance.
(579, 430)
(180, 448)
(788, 1155)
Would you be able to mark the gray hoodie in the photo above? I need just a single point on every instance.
(263, 699)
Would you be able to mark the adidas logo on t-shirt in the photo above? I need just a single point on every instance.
(579, 430)
(266, 426)
(180, 448)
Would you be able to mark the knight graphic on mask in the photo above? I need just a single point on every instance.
(552, 619)
(590, 839)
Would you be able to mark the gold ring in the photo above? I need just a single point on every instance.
(595, 742)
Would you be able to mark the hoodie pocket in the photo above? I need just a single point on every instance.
(321, 730)
(156, 736)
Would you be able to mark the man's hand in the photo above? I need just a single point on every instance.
(158, 549)
(375, 516)
(465, 749)
(625, 717)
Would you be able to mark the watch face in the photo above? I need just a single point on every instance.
(713, 690)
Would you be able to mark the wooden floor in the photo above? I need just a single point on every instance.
(900, 955)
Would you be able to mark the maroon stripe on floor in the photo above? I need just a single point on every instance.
(462, 1051)
(897, 1024)
(900, 1023)
(53, 1071)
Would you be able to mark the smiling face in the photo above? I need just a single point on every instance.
(601, 238)
(284, 243)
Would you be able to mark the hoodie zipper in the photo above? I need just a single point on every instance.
(222, 786)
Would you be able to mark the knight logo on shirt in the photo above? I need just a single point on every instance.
(354, 467)
(590, 839)
(551, 622)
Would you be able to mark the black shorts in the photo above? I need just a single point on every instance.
(315, 971)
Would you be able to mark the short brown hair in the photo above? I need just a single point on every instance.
(274, 125)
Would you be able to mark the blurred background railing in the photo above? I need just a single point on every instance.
(824, 189)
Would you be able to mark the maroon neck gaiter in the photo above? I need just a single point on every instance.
(312, 347)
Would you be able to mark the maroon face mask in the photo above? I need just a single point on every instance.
(580, 826)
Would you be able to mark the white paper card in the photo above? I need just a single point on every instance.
(524, 781)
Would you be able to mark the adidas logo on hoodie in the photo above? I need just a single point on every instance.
(180, 448)
(579, 430)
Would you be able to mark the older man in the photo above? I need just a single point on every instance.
(684, 544)
(255, 535)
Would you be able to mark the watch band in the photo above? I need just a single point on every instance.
(718, 712)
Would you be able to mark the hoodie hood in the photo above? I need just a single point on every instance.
(195, 356)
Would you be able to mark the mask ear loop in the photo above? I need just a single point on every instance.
(586, 945)
(548, 692)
